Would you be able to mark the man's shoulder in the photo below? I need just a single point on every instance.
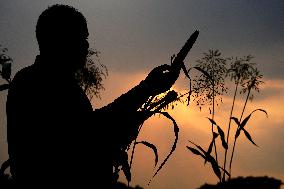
(24, 74)
(23, 79)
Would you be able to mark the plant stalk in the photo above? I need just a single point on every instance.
(232, 156)
(212, 126)
(229, 127)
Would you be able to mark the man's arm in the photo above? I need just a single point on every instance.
(121, 118)
(159, 80)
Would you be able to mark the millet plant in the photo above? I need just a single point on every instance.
(209, 87)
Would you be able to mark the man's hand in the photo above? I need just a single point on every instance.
(161, 78)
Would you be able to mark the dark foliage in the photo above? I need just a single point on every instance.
(91, 76)
(247, 183)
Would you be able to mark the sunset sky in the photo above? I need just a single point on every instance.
(134, 36)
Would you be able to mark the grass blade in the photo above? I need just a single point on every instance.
(196, 152)
(211, 159)
(176, 130)
(226, 172)
(236, 120)
(153, 147)
(214, 166)
(262, 110)
(238, 132)
(215, 135)
(199, 147)
(244, 122)
(212, 121)
(248, 136)
(222, 136)
(221, 133)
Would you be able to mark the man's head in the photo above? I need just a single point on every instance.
(62, 34)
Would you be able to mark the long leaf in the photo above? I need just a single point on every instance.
(222, 136)
(196, 152)
(153, 147)
(236, 120)
(248, 136)
(212, 121)
(244, 122)
(199, 147)
(211, 159)
(259, 109)
(238, 132)
(221, 133)
(176, 130)
(215, 135)
(226, 172)
(215, 166)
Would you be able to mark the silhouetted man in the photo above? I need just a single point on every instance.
(55, 138)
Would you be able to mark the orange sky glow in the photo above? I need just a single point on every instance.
(188, 169)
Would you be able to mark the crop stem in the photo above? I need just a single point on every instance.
(229, 127)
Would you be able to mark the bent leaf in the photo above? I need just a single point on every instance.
(222, 136)
(262, 110)
(244, 122)
(176, 130)
(249, 137)
(215, 135)
(226, 172)
(199, 147)
(212, 121)
(221, 133)
(214, 166)
(153, 147)
(196, 152)
(211, 159)
(236, 120)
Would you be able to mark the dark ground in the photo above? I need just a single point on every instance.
(247, 183)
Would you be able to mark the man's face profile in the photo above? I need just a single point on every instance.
(62, 36)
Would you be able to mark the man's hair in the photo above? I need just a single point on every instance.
(58, 21)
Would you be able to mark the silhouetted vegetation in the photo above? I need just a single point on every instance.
(206, 88)
(246, 183)
(90, 77)
(212, 83)
(155, 105)
(6, 64)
